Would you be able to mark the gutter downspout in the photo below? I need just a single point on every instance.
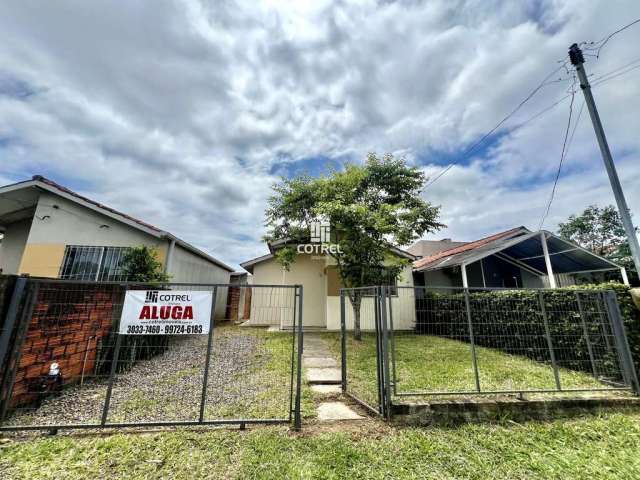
(169, 260)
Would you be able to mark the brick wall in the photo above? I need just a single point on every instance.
(66, 327)
(233, 303)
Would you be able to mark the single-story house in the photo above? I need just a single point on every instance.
(321, 284)
(51, 231)
(515, 258)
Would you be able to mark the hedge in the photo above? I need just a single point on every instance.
(512, 321)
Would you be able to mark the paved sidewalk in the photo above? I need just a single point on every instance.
(324, 375)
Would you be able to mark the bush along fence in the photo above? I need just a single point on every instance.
(80, 354)
(503, 319)
(442, 341)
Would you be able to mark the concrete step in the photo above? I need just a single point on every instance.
(319, 362)
(327, 389)
(336, 411)
(325, 376)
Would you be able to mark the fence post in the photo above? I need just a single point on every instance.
(392, 339)
(343, 340)
(294, 336)
(205, 379)
(474, 358)
(112, 372)
(379, 378)
(585, 330)
(10, 320)
(622, 344)
(297, 413)
(386, 390)
(547, 332)
(8, 381)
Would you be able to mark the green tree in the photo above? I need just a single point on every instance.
(140, 264)
(600, 230)
(370, 209)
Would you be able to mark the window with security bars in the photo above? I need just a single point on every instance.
(99, 264)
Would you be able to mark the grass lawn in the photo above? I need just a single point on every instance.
(583, 448)
(427, 363)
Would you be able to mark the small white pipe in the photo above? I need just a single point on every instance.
(547, 260)
(84, 362)
(625, 279)
(463, 268)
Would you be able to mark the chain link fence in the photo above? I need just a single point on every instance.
(65, 363)
(441, 342)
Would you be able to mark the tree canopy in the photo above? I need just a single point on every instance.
(600, 230)
(370, 209)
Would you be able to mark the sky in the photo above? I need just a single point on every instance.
(184, 113)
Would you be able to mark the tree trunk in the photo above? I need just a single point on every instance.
(355, 303)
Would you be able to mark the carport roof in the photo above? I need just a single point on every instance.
(523, 247)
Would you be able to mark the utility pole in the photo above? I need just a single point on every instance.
(577, 60)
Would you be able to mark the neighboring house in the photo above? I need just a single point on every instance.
(318, 275)
(51, 231)
(426, 248)
(516, 258)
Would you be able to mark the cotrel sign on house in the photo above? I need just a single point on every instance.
(158, 312)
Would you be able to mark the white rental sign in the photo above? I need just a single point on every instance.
(165, 312)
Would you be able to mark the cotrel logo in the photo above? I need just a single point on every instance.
(320, 233)
(151, 297)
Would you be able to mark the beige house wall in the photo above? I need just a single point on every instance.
(13, 245)
(403, 308)
(274, 306)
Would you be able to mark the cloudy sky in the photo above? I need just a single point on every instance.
(183, 113)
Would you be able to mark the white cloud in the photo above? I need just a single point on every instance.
(177, 111)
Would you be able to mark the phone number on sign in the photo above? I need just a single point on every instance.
(164, 330)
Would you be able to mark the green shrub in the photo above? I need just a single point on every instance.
(512, 321)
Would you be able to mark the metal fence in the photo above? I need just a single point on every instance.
(440, 342)
(64, 364)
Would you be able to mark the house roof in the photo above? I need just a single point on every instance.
(41, 183)
(524, 248)
(422, 263)
(273, 246)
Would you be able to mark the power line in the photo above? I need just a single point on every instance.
(615, 70)
(605, 77)
(565, 151)
(604, 40)
(600, 82)
(482, 139)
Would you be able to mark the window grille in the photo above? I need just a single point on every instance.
(93, 263)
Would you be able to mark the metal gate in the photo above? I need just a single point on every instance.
(65, 366)
(452, 342)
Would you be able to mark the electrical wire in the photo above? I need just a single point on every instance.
(602, 42)
(614, 76)
(565, 150)
(482, 139)
(597, 81)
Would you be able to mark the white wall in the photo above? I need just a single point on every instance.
(403, 308)
(187, 267)
(72, 224)
(12, 246)
(274, 306)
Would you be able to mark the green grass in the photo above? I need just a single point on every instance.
(604, 447)
(427, 363)
(271, 377)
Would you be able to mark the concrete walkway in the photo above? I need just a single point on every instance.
(324, 375)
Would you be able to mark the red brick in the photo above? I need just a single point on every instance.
(35, 371)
